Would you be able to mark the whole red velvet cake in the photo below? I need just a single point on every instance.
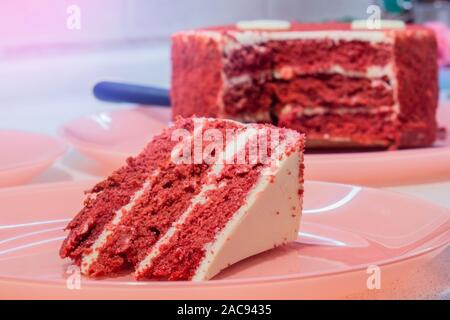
(341, 86)
(201, 196)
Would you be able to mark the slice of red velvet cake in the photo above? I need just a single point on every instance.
(201, 196)
(341, 86)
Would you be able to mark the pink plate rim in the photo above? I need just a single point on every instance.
(120, 284)
(60, 148)
(83, 144)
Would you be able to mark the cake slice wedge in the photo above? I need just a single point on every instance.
(201, 196)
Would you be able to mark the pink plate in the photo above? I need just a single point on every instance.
(25, 155)
(111, 137)
(344, 230)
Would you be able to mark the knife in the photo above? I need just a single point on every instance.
(131, 93)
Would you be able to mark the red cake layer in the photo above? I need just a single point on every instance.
(307, 55)
(170, 195)
(334, 91)
(316, 90)
(249, 97)
(352, 129)
(153, 214)
(418, 92)
(179, 258)
(113, 193)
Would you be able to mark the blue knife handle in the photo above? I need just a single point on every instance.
(444, 79)
(131, 93)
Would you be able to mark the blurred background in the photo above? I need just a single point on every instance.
(53, 51)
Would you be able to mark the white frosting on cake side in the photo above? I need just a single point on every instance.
(269, 218)
(249, 38)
